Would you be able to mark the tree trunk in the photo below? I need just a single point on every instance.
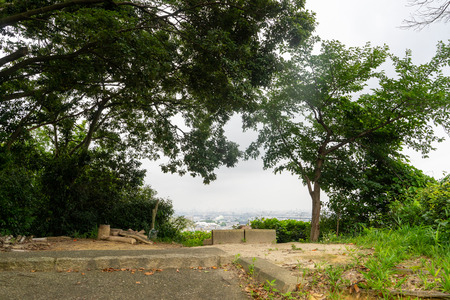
(337, 222)
(154, 212)
(103, 231)
(315, 196)
(315, 218)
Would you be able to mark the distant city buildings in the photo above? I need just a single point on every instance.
(206, 221)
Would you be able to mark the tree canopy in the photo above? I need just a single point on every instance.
(90, 87)
(117, 75)
(319, 123)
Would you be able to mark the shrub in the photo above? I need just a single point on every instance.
(135, 211)
(18, 200)
(429, 206)
(287, 230)
(193, 238)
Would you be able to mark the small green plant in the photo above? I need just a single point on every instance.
(334, 275)
(236, 259)
(318, 266)
(446, 280)
(92, 234)
(294, 247)
(251, 267)
(426, 282)
(335, 296)
(287, 295)
(269, 286)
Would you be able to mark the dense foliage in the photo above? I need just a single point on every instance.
(364, 198)
(286, 230)
(416, 202)
(119, 75)
(426, 206)
(73, 196)
(90, 87)
(319, 123)
(193, 238)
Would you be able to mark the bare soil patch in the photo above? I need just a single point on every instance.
(290, 255)
(70, 244)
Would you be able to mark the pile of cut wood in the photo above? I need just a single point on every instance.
(21, 243)
(124, 236)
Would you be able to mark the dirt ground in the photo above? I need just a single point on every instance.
(309, 261)
(293, 254)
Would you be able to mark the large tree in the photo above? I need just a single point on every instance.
(118, 74)
(319, 123)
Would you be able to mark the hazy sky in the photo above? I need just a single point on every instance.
(248, 186)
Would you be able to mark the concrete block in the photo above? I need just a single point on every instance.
(264, 271)
(33, 263)
(227, 236)
(254, 236)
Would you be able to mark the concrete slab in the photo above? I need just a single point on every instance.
(265, 271)
(100, 259)
(182, 258)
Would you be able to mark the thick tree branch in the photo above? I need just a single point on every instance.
(11, 20)
(7, 72)
(21, 52)
(84, 145)
(362, 134)
(294, 159)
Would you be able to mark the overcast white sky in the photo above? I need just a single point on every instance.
(248, 187)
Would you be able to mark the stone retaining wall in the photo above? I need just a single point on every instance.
(252, 236)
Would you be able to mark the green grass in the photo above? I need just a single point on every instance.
(395, 246)
(406, 241)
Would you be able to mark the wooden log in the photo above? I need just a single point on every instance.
(136, 236)
(103, 231)
(115, 231)
(121, 239)
(43, 239)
